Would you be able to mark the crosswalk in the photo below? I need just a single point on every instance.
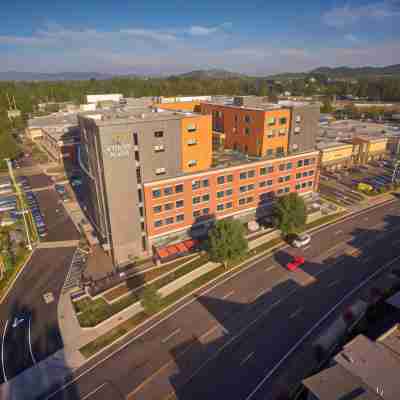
(78, 265)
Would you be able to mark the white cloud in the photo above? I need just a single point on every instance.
(340, 17)
(197, 30)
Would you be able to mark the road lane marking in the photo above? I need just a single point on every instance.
(270, 268)
(334, 283)
(228, 294)
(338, 232)
(247, 358)
(175, 332)
(269, 373)
(29, 340)
(2, 352)
(261, 292)
(94, 391)
(296, 313)
(214, 284)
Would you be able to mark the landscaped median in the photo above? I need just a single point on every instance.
(99, 308)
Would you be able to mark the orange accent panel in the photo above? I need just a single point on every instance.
(192, 106)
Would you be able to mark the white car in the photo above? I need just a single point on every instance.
(301, 240)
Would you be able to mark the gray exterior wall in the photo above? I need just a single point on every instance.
(113, 196)
(309, 127)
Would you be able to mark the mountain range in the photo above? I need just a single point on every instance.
(336, 72)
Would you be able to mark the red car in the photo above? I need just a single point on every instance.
(296, 263)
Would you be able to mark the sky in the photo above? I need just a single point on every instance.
(172, 36)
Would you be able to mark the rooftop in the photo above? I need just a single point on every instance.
(54, 120)
(332, 145)
(125, 115)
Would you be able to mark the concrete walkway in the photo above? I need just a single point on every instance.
(52, 245)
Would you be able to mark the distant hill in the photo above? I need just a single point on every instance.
(61, 76)
(211, 74)
(344, 72)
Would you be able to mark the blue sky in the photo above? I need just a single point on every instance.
(172, 36)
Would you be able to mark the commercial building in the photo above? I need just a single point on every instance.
(393, 144)
(366, 148)
(335, 155)
(58, 134)
(363, 370)
(151, 178)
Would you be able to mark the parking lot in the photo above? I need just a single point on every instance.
(337, 191)
(39, 181)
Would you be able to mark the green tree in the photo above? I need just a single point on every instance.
(226, 241)
(150, 300)
(290, 214)
(326, 107)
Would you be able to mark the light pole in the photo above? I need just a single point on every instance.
(19, 195)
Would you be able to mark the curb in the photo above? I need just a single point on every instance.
(224, 276)
(12, 283)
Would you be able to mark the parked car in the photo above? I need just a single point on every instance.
(301, 240)
(295, 264)
(60, 189)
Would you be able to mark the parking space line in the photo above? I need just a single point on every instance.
(2, 352)
(260, 293)
(270, 268)
(334, 283)
(175, 332)
(228, 294)
(338, 232)
(247, 358)
(296, 313)
(307, 248)
(29, 341)
(94, 391)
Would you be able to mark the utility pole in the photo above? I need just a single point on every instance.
(396, 170)
(19, 195)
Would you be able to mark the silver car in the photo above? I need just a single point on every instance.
(301, 240)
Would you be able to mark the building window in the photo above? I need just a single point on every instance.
(249, 199)
(159, 134)
(287, 178)
(180, 218)
(305, 174)
(310, 183)
(282, 121)
(196, 200)
(141, 212)
(144, 245)
(279, 150)
(168, 206)
(135, 139)
(307, 161)
(195, 185)
(168, 191)
(289, 165)
(137, 157)
(312, 160)
(157, 209)
(169, 220)
(310, 173)
(287, 189)
(138, 175)
(196, 214)
(262, 184)
(206, 211)
(220, 194)
(271, 121)
(156, 193)
(280, 191)
(229, 178)
(250, 187)
(206, 197)
(220, 180)
(191, 142)
(158, 148)
(179, 204)
(228, 192)
(270, 152)
(263, 171)
(160, 171)
(220, 207)
(280, 180)
(303, 185)
(158, 223)
(140, 196)
(247, 131)
(179, 188)
(269, 183)
(242, 201)
(242, 189)
(206, 183)
(298, 118)
(300, 163)
(243, 175)
(191, 128)
(229, 205)
(192, 163)
(297, 130)
(247, 119)
(251, 174)
(281, 167)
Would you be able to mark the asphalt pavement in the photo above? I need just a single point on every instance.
(224, 341)
(33, 299)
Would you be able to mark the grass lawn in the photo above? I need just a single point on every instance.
(92, 312)
(324, 220)
(140, 279)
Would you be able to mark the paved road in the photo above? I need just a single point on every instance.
(34, 340)
(223, 341)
